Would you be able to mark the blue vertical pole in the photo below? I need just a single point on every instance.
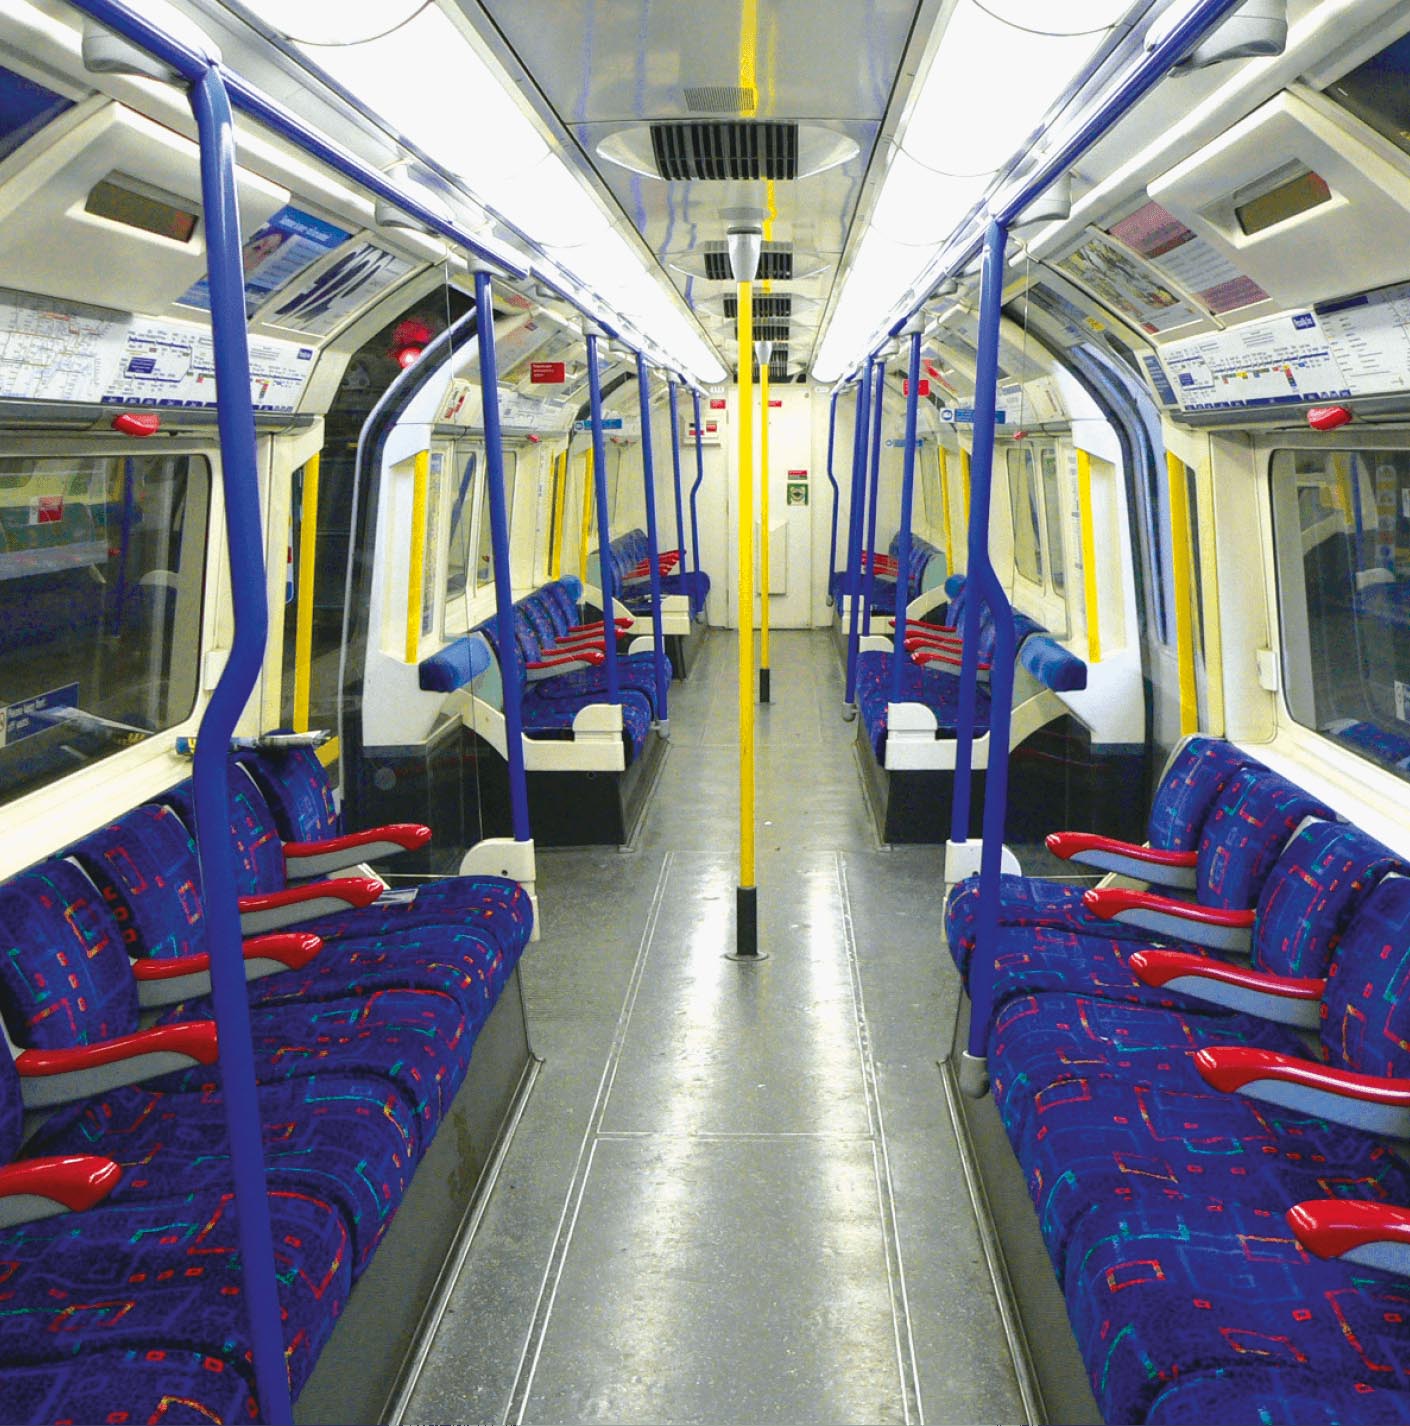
(836, 493)
(985, 584)
(903, 541)
(604, 529)
(511, 678)
(695, 489)
(653, 545)
(873, 489)
(245, 539)
(683, 565)
(854, 540)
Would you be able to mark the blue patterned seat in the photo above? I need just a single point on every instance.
(1198, 773)
(940, 692)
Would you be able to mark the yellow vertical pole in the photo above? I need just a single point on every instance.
(560, 509)
(964, 481)
(586, 537)
(764, 689)
(416, 566)
(746, 926)
(1184, 622)
(303, 612)
(1089, 557)
(944, 461)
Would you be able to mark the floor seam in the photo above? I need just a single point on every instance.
(577, 1187)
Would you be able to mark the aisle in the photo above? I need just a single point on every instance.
(734, 1195)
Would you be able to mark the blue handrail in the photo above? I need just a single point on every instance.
(671, 389)
(836, 493)
(244, 533)
(874, 487)
(903, 540)
(695, 488)
(499, 553)
(854, 532)
(604, 530)
(653, 545)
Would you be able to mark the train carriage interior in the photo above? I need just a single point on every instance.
(705, 711)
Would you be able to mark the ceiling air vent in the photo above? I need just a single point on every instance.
(775, 264)
(764, 307)
(778, 363)
(741, 150)
(767, 331)
(721, 98)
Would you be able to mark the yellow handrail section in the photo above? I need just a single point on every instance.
(416, 567)
(764, 531)
(1089, 556)
(964, 481)
(1180, 553)
(944, 462)
(303, 613)
(586, 537)
(746, 585)
(560, 507)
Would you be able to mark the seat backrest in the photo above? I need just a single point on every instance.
(1253, 819)
(540, 618)
(65, 979)
(298, 789)
(11, 1108)
(1366, 1009)
(1198, 773)
(1323, 875)
(144, 865)
(525, 636)
(259, 849)
(562, 606)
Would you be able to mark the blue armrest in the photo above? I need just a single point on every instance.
(454, 666)
(1052, 665)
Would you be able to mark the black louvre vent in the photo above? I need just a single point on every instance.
(764, 307)
(778, 363)
(767, 331)
(775, 265)
(741, 150)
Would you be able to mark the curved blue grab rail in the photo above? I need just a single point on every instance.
(695, 488)
(836, 493)
(653, 545)
(244, 533)
(873, 488)
(671, 391)
(604, 528)
(499, 554)
(854, 533)
(903, 540)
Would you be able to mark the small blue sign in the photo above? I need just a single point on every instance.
(1303, 320)
(24, 719)
(964, 416)
(609, 423)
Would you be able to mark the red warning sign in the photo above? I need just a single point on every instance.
(773, 404)
(46, 510)
(717, 403)
(544, 373)
(906, 387)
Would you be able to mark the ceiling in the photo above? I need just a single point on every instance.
(605, 66)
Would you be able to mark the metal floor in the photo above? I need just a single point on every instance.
(734, 1195)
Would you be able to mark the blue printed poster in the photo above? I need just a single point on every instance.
(29, 716)
(288, 244)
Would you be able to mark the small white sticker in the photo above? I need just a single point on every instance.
(1402, 695)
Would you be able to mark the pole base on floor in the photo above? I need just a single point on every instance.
(746, 926)
(974, 1076)
(849, 712)
(764, 684)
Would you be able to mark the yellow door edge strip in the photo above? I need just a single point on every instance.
(1207, 554)
(943, 459)
(560, 509)
(585, 539)
(1180, 570)
(416, 565)
(1089, 557)
(303, 613)
(764, 585)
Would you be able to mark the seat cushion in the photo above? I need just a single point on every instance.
(1172, 1288)
(65, 979)
(940, 692)
(555, 715)
(1255, 1394)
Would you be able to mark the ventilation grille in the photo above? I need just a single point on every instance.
(764, 307)
(721, 99)
(767, 331)
(778, 363)
(747, 150)
(775, 264)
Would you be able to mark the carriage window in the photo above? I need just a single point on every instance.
(1342, 538)
(101, 568)
(1052, 515)
(484, 566)
(1023, 504)
(458, 561)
